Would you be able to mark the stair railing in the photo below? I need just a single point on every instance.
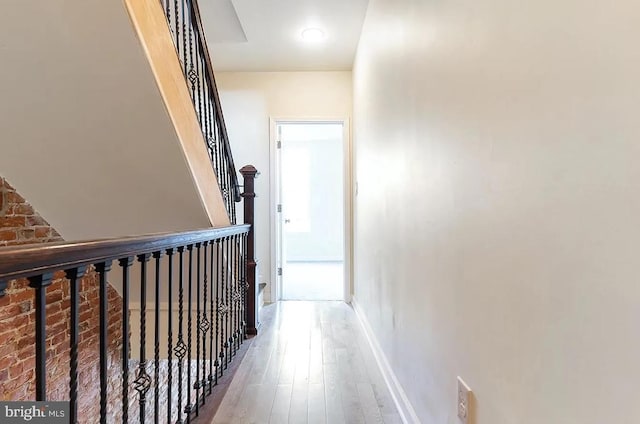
(203, 279)
(185, 24)
(202, 276)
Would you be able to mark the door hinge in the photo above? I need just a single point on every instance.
(279, 144)
(279, 208)
(279, 271)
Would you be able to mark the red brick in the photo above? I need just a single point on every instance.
(42, 232)
(11, 197)
(13, 322)
(27, 234)
(85, 316)
(20, 284)
(9, 312)
(20, 209)
(6, 350)
(66, 303)
(35, 220)
(6, 362)
(59, 327)
(17, 330)
(54, 296)
(28, 342)
(25, 353)
(16, 370)
(21, 295)
(59, 279)
(59, 339)
(12, 221)
(20, 380)
(54, 312)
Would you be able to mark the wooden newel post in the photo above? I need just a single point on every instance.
(249, 174)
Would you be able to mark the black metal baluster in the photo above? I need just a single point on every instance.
(204, 323)
(233, 188)
(211, 318)
(217, 362)
(223, 176)
(228, 271)
(228, 180)
(206, 130)
(156, 342)
(74, 274)
(198, 68)
(187, 408)
(246, 282)
(196, 385)
(244, 286)
(238, 294)
(222, 308)
(169, 253)
(191, 74)
(238, 258)
(229, 184)
(102, 269)
(234, 300)
(177, 22)
(219, 156)
(125, 263)
(240, 333)
(40, 283)
(216, 127)
(180, 348)
(142, 383)
(184, 37)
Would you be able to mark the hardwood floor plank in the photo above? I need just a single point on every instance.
(281, 404)
(310, 364)
(369, 404)
(333, 401)
(317, 413)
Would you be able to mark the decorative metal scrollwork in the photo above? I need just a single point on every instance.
(236, 296)
(193, 76)
(142, 383)
(204, 325)
(180, 350)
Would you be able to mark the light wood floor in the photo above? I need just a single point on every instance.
(310, 364)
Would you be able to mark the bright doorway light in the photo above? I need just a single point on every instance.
(313, 35)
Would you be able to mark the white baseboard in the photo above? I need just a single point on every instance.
(405, 409)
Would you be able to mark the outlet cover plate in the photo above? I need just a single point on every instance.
(463, 401)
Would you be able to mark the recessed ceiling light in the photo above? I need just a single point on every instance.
(313, 35)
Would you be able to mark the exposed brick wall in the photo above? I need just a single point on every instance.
(20, 224)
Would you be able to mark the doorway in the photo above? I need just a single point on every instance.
(311, 210)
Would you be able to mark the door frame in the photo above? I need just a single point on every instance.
(274, 199)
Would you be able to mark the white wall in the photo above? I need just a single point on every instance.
(249, 99)
(498, 215)
(84, 133)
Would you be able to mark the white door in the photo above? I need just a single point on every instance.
(312, 218)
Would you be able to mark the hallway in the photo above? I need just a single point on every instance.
(310, 364)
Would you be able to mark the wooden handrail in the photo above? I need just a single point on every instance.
(29, 260)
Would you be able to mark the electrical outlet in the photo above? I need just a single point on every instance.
(464, 393)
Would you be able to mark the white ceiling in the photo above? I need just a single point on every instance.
(264, 35)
